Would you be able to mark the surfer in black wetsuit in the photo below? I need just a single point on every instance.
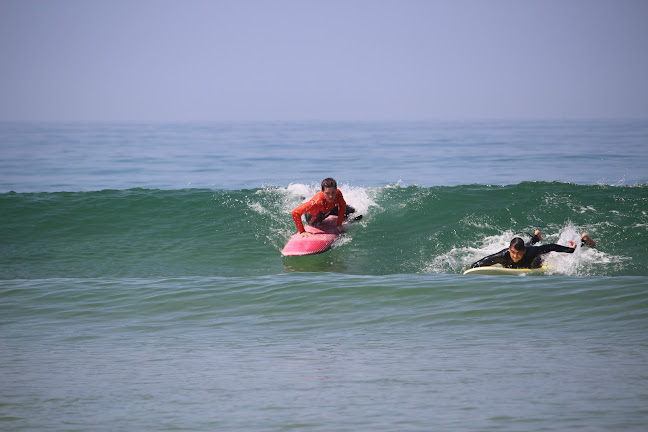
(519, 255)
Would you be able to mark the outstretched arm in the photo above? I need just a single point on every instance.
(496, 258)
(553, 247)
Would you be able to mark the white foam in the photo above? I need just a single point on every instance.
(360, 198)
(257, 207)
(584, 261)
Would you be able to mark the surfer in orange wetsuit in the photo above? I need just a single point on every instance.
(325, 203)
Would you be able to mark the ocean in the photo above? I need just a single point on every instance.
(142, 285)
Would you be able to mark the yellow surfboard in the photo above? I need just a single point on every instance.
(499, 270)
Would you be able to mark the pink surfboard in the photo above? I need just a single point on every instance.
(323, 237)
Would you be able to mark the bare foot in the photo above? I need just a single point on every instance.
(588, 240)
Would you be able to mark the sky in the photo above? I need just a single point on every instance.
(303, 60)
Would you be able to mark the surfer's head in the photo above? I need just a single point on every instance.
(329, 189)
(517, 249)
(329, 183)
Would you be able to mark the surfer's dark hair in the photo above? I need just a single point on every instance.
(517, 243)
(329, 183)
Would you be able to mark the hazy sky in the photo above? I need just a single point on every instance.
(195, 60)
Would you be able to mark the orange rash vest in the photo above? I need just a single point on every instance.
(319, 204)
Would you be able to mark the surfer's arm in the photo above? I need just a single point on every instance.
(553, 247)
(299, 211)
(341, 210)
(496, 258)
(300, 225)
(297, 215)
(535, 238)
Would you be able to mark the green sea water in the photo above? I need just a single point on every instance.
(404, 230)
(142, 285)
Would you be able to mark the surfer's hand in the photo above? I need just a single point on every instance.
(572, 244)
(306, 234)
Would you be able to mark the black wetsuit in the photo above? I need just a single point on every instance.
(321, 216)
(532, 256)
